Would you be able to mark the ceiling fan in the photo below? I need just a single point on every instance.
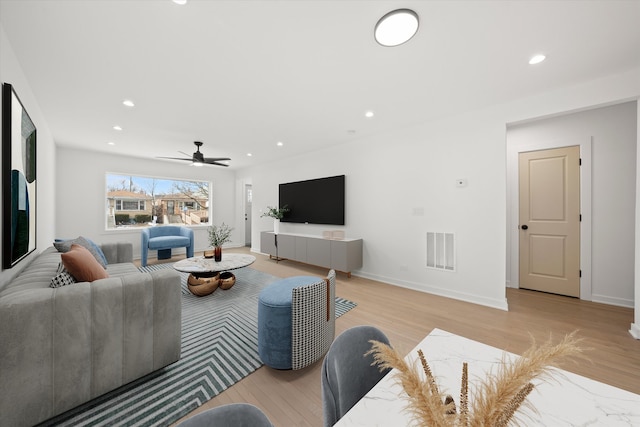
(198, 159)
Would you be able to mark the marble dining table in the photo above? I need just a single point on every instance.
(563, 399)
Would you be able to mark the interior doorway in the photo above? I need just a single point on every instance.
(248, 196)
(549, 220)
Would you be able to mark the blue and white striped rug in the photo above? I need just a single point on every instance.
(219, 348)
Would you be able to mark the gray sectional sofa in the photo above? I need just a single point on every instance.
(61, 347)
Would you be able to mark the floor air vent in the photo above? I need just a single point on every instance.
(441, 251)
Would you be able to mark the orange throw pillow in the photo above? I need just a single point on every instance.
(82, 265)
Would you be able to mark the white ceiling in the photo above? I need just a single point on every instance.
(242, 75)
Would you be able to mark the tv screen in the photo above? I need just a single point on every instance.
(315, 201)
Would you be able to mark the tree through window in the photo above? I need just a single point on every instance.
(137, 201)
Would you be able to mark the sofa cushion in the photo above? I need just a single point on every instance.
(121, 269)
(63, 245)
(82, 264)
(62, 278)
(168, 242)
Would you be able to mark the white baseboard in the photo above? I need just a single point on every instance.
(635, 331)
(621, 302)
(475, 299)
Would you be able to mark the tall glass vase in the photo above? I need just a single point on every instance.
(217, 253)
(276, 225)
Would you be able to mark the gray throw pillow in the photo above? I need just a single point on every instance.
(65, 246)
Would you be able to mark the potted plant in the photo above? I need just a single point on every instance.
(218, 236)
(277, 214)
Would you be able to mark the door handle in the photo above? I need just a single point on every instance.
(525, 227)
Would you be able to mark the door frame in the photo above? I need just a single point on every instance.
(513, 195)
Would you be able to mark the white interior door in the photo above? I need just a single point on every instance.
(247, 214)
(549, 209)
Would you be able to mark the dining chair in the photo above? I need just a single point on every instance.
(347, 374)
(231, 415)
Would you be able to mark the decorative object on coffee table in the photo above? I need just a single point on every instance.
(218, 236)
(202, 286)
(227, 280)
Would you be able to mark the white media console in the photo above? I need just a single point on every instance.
(343, 255)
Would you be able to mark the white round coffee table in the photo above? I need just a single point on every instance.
(206, 274)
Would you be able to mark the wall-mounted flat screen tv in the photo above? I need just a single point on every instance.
(314, 201)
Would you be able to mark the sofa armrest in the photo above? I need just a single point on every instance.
(117, 252)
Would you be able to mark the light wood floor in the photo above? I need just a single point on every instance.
(293, 398)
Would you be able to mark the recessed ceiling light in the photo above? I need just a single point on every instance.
(111, 143)
(396, 27)
(116, 127)
(128, 103)
(180, 2)
(249, 154)
(279, 143)
(368, 114)
(536, 59)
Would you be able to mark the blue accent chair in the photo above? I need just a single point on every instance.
(163, 239)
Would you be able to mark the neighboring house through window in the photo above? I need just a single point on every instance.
(135, 201)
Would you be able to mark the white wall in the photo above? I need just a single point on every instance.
(610, 134)
(11, 72)
(635, 327)
(391, 177)
(80, 205)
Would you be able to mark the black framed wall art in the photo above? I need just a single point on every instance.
(18, 179)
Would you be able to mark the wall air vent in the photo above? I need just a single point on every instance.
(441, 251)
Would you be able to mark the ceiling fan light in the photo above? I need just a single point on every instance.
(396, 27)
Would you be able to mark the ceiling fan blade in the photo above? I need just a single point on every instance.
(182, 152)
(175, 158)
(215, 159)
(218, 164)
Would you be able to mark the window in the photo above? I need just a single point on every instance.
(130, 205)
(137, 201)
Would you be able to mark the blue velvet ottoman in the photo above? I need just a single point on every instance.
(275, 323)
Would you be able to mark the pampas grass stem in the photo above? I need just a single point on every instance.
(464, 396)
(495, 402)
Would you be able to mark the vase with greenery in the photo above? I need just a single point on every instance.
(277, 214)
(218, 236)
